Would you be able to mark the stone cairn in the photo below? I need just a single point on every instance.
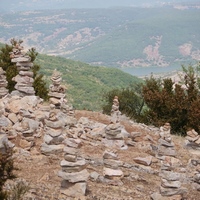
(24, 80)
(195, 166)
(54, 133)
(111, 169)
(170, 179)
(192, 139)
(115, 113)
(57, 94)
(165, 145)
(74, 172)
(3, 83)
(114, 129)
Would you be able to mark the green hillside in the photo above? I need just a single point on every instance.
(85, 83)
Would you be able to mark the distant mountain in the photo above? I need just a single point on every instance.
(85, 84)
(24, 5)
(127, 38)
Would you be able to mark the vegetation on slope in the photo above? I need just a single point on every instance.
(85, 83)
(159, 101)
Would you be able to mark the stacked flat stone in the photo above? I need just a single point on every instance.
(56, 90)
(171, 182)
(74, 172)
(165, 145)
(113, 131)
(4, 143)
(195, 166)
(54, 135)
(3, 83)
(111, 166)
(192, 139)
(115, 113)
(24, 80)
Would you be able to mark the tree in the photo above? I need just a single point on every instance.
(130, 101)
(39, 83)
(8, 66)
(178, 104)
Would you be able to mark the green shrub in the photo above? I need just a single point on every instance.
(176, 103)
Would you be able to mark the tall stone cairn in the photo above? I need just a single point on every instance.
(171, 177)
(3, 83)
(113, 131)
(57, 94)
(74, 172)
(24, 80)
(166, 146)
(53, 138)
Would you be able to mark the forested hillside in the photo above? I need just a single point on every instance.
(85, 84)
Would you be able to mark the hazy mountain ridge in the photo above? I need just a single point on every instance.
(118, 37)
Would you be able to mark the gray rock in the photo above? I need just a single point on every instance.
(172, 191)
(51, 149)
(170, 184)
(74, 177)
(73, 190)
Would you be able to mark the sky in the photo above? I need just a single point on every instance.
(22, 5)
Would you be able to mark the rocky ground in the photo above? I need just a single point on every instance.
(139, 182)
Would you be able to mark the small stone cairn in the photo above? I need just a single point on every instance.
(54, 133)
(3, 83)
(115, 113)
(74, 172)
(171, 178)
(114, 129)
(195, 166)
(165, 145)
(111, 169)
(171, 181)
(24, 80)
(192, 139)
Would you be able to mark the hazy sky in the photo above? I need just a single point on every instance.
(18, 5)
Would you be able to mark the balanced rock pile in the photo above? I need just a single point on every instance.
(115, 113)
(73, 173)
(24, 80)
(165, 145)
(111, 169)
(171, 181)
(3, 83)
(113, 132)
(192, 139)
(54, 134)
(195, 166)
